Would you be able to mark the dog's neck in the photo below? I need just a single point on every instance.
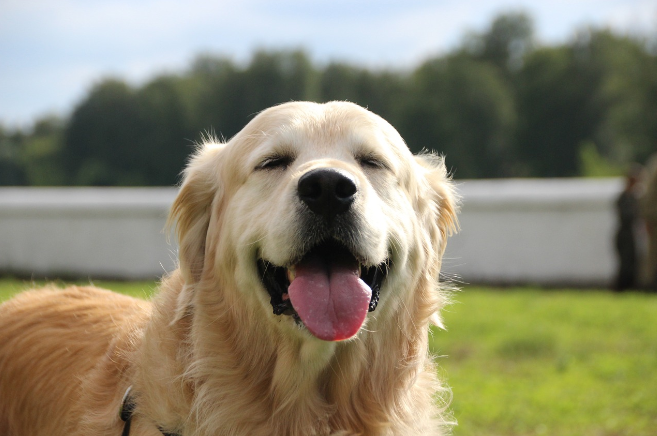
(287, 386)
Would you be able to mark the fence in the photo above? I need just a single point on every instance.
(549, 232)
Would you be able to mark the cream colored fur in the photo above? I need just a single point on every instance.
(208, 356)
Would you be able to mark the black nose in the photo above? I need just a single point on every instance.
(327, 192)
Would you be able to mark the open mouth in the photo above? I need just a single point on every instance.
(328, 290)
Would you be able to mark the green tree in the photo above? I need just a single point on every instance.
(628, 86)
(462, 108)
(498, 106)
(41, 153)
(594, 97)
(380, 92)
(99, 142)
(215, 103)
(122, 136)
(558, 109)
(505, 43)
(228, 97)
(164, 138)
(12, 172)
(277, 77)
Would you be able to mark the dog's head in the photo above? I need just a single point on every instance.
(316, 215)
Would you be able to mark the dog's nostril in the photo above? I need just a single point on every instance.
(327, 192)
(310, 188)
(345, 188)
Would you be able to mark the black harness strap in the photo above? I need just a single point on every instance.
(126, 411)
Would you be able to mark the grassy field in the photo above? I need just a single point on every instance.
(143, 289)
(530, 362)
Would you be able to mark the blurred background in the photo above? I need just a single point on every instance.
(546, 112)
(117, 92)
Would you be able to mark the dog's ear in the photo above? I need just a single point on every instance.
(438, 207)
(443, 200)
(190, 213)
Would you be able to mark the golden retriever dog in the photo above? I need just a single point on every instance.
(309, 251)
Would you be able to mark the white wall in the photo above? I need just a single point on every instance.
(87, 232)
(548, 232)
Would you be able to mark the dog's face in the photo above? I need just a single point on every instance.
(314, 216)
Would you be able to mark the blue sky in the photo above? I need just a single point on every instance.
(53, 51)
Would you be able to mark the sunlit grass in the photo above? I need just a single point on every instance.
(141, 289)
(530, 362)
(533, 362)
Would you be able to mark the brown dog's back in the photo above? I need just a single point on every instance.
(49, 341)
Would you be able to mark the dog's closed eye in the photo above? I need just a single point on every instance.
(372, 161)
(275, 162)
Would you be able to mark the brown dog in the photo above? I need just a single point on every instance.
(310, 247)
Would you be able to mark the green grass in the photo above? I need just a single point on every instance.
(142, 289)
(530, 362)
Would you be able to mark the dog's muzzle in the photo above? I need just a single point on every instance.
(328, 288)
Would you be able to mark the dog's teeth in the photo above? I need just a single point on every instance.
(291, 274)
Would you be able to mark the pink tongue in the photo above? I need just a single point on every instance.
(331, 300)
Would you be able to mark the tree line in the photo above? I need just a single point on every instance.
(499, 105)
